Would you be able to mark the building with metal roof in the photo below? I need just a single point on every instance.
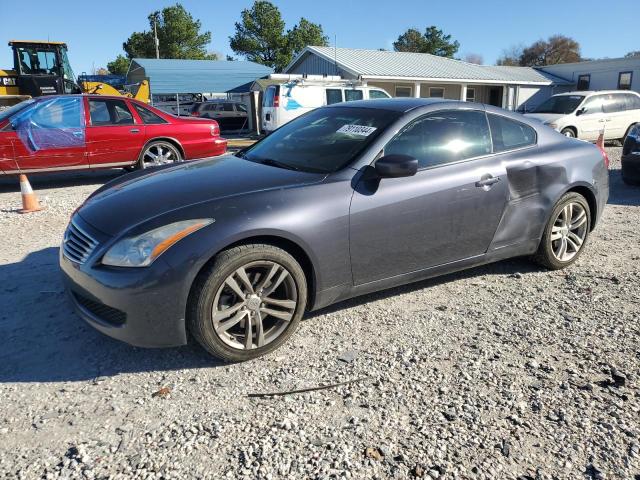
(207, 77)
(407, 74)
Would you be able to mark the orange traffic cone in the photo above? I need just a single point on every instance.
(600, 141)
(29, 200)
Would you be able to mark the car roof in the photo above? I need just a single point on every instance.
(587, 93)
(88, 95)
(404, 104)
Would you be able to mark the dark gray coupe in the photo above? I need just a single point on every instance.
(345, 200)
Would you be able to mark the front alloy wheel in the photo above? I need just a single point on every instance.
(254, 305)
(248, 302)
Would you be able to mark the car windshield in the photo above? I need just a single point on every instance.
(563, 104)
(322, 141)
(15, 109)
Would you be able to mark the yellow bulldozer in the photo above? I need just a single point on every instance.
(43, 68)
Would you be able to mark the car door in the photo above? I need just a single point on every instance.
(591, 119)
(241, 116)
(114, 138)
(51, 135)
(615, 108)
(448, 211)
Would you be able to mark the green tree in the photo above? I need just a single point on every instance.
(119, 66)
(179, 36)
(303, 34)
(433, 41)
(260, 36)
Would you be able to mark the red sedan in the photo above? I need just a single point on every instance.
(69, 132)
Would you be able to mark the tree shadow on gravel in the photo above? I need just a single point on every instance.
(504, 267)
(43, 340)
(620, 193)
(61, 179)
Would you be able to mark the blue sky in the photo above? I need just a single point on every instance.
(95, 34)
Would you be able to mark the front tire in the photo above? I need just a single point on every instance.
(159, 153)
(568, 132)
(566, 232)
(248, 302)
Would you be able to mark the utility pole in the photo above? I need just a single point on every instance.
(155, 36)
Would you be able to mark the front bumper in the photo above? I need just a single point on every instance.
(144, 307)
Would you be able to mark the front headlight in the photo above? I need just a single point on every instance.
(552, 125)
(141, 250)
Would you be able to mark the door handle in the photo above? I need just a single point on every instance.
(487, 182)
(135, 130)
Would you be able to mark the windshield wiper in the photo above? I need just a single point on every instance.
(276, 163)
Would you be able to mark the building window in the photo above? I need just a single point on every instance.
(583, 82)
(471, 95)
(624, 80)
(404, 92)
(436, 92)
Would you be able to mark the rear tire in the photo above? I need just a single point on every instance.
(158, 153)
(247, 303)
(566, 232)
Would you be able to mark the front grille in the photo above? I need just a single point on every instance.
(101, 311)
(77, 244)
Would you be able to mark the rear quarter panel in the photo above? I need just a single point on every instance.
(194, 137)
(538, 178)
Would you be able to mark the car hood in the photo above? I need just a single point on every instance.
(544, 117)
(138, 197)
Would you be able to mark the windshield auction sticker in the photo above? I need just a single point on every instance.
(361, 130)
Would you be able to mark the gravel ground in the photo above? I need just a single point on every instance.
(505, 371)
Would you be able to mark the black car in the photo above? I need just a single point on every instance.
(229, 115)
(631, 157)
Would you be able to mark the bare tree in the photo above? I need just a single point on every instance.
(635, 53)
(557, 49)
(510, 56)
(474, 58)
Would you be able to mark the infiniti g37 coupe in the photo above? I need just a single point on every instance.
(75, 132)
(344, 200)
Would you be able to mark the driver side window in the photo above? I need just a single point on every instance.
(443, 137)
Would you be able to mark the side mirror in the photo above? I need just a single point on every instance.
(394, 166)
(580, 111)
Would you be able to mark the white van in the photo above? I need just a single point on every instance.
(282, 103)
(584, 115)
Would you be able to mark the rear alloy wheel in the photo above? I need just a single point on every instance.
(159, 153)
(248, 302)
(568, 132)
(566, 232)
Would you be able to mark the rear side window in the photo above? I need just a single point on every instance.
(351, 95)
(508, 134)
(633, 102)
(614, 103)
(269, 95)
(334, 95)
(377, 94)
(241, 108)
(443, 137)
(227, 107)
(148, 117)
(109, 112)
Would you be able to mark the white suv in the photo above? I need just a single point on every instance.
(585, 114)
